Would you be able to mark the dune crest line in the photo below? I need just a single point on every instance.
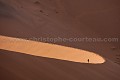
(49, 50)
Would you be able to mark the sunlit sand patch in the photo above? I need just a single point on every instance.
(49, 50)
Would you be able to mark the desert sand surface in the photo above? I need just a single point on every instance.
(65, 19)
(49, 50)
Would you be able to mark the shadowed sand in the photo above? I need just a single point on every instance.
(17, 66)
(49, 50)
(65, 19)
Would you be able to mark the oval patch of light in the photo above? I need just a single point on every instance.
(49, 50)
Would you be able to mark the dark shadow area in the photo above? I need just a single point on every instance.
(19, 66)
(6, 10)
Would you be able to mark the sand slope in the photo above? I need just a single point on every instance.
(49, 50)
(26, 67)
(66, 19)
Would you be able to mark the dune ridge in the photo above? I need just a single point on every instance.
(49, 50)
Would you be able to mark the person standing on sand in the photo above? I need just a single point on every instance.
(88, 60)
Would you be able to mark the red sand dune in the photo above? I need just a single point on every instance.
(49, 50)
(65, 19)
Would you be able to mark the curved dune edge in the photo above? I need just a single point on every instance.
(49, 50)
